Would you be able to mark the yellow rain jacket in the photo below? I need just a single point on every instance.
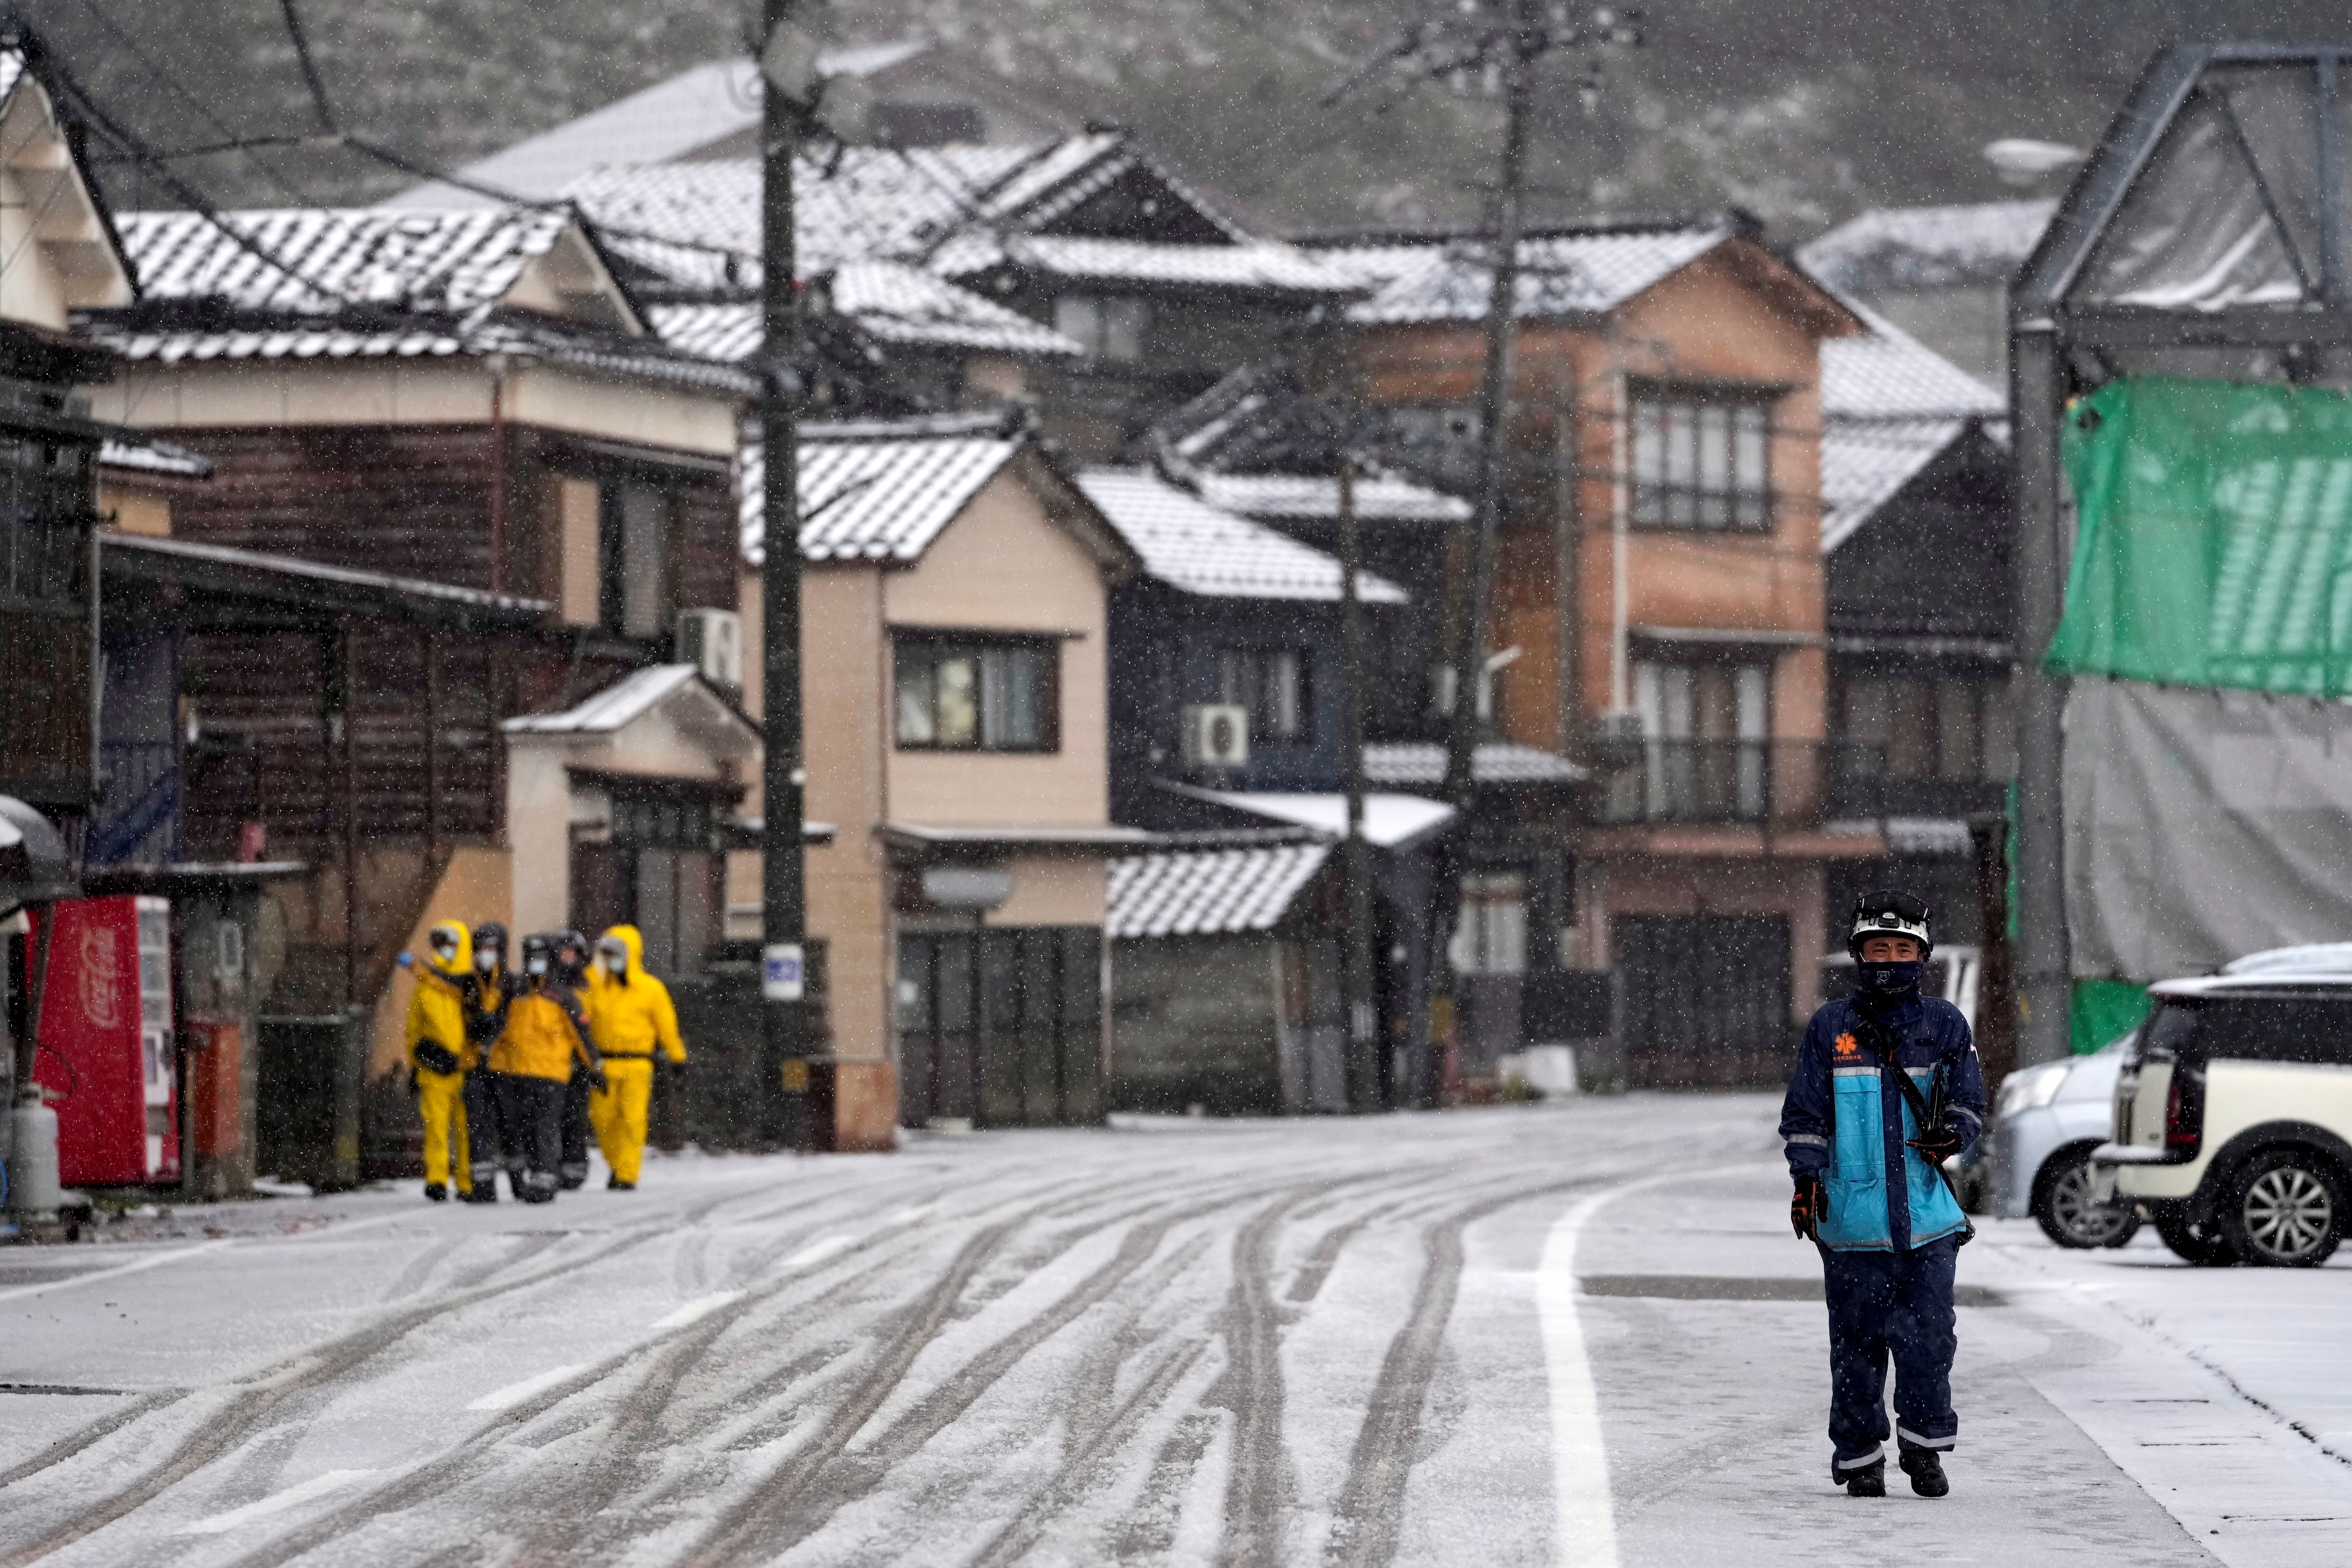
(631, 1013)
(547, 1031)
(436, 1010)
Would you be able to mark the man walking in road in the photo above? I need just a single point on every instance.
(1886, 1088)
(634, 1020)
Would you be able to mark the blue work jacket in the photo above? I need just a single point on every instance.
(1845, 1120)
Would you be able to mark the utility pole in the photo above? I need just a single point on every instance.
(1363, 1017)
(1503, 40)
(783, 875)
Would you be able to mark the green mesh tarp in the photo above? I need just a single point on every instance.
(2102, 1010)
(2214, 544)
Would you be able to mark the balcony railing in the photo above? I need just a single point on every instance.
(1783, 784)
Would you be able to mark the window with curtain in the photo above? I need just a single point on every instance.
(973, 695)
(1271, 682)
(1701, 460)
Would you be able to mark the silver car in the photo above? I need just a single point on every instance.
(2045, 1123)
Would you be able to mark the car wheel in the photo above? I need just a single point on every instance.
(2196, 1244)
(2285, 1209)
(2068, 1214)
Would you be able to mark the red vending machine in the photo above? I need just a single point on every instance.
(106, 1059)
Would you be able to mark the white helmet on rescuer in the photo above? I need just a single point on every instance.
(1889, 913)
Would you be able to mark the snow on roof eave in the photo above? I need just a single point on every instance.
(712, 719)
(673, 119)
(1392, 820)
(1843, 519)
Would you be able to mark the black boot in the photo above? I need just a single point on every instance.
(437, 1192)
(1926, 1469)
(488, 1193)
(1868, 1481)
(615, 1184)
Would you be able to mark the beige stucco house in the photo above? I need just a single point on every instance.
(955, 616)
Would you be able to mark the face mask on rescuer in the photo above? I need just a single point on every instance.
(1887, 980)
(617, 962)
(486, 958)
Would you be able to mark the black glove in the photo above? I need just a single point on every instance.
(596, 1079)
(1937, 1146)
(414, 1092)
(1807, 1207)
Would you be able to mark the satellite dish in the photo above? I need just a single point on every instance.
(2021, 161)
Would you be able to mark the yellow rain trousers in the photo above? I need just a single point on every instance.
(436, 1017)
(633, 1018)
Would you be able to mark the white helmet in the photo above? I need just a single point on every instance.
(1889, 913)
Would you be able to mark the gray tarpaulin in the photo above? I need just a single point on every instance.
(2202, 824)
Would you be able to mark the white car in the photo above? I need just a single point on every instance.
(2037, 1149)
(2234, 1115)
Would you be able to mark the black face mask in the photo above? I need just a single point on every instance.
(1887, 982)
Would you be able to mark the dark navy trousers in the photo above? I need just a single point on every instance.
(1895, 1304)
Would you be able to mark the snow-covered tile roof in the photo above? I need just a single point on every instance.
(1929, 248)
(877, 492)
(1390, 821)
(1210, 892)
(327, 258)
(707, 106)
(953, 211)
(1409, 764)
(1259, 264)
(729, 332)
(1562, 275)
(611, 708)
(141, 334)
(1378, 499)
(153, 457)
(903, 304)
(1890, 405)
(1199, 549)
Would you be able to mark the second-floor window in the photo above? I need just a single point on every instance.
(959, 695)
(1700, 461)
(633, 547)
(1271, 682)
(1954, 729)
(1110, 327)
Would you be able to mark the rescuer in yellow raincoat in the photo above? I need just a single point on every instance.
(634, 1022)
(440, 1055)
(546, 1034)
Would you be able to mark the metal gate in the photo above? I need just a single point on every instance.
(1707, 1000)
(1000, 1027)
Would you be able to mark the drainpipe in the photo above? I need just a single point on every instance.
(498, 367)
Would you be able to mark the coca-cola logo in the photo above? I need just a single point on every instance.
(101, 976)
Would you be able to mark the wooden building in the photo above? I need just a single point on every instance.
(452, 479)
(1659, 600)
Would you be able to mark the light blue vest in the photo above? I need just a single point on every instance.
(1860, 1220)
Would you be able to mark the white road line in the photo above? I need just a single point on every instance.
(817, 1251)
(514, 1393)
(699, 1309)
(317, 1485)
(137, 1265)
(1587, 1523)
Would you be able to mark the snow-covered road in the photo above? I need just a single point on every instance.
(1575, 1335)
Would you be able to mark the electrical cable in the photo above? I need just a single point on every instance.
(309, 68)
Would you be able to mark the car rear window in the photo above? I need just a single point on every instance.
(2317, 1030)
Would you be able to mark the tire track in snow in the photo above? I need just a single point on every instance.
(751, 1527)
(255, 1399)
(1257, 1485)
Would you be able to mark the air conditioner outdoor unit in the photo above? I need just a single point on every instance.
(1216, 735)
(713, 641)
